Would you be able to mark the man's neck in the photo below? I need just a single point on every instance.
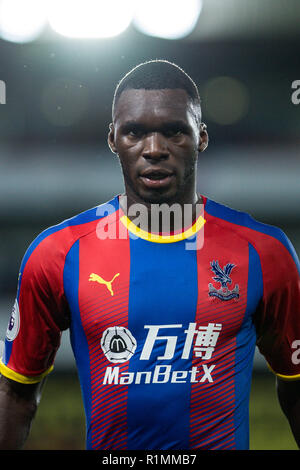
(162, 217)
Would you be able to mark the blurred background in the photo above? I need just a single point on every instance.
(59, 64)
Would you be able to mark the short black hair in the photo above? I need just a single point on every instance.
(158, 74)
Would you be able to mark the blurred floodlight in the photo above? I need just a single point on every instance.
(168, 19)
(90, 18)
(225, 100)
(22, 20)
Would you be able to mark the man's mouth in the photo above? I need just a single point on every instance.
(156, 178)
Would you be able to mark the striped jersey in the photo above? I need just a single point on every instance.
(163, 328)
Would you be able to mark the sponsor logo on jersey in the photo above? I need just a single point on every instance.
(14, 323)
(223, 277)
(96, 278)
(160, 374)
(119, 345)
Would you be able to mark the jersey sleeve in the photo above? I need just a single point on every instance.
(278, 318)
(39, 315)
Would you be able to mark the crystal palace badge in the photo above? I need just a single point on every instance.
(223, 277)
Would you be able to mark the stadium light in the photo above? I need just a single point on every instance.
(22, 21)
(168, 19)
(90, 18)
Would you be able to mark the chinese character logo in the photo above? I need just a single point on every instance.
(206, 340)
(223, 277)
(201, 340)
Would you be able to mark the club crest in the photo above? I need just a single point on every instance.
(223, 277)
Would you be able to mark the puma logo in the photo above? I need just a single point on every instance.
(108, 284)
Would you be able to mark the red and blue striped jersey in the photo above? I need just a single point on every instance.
(163, 330)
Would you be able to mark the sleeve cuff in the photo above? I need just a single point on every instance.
(284, 377)
(11, 374)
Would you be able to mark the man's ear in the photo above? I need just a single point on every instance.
(203, 139)
(111, 138)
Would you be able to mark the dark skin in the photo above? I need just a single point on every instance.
(288, 393)
(18, 405)
(157, 129)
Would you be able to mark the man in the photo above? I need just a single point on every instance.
(164, 317)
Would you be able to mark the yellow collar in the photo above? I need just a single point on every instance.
(153, 237)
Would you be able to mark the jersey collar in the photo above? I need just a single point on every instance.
(163, 238)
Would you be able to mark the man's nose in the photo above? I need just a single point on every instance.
(155, 146)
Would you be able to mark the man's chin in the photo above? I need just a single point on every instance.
(158, 197)
(170, 195)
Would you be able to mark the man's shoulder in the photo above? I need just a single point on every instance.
(258, 233)
(56, 240)
(90, 215)
(83, 220)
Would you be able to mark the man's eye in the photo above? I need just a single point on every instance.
(174, 133)
(135, 132)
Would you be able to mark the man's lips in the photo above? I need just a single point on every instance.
(155, 173)
(156, 178)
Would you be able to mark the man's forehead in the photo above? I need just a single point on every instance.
(134, 103)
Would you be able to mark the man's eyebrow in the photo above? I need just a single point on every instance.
(165, 125)
(176, 124)
(131, 123)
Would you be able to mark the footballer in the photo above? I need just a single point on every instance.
(163, 320)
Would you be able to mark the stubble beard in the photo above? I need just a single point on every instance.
(159, 197)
